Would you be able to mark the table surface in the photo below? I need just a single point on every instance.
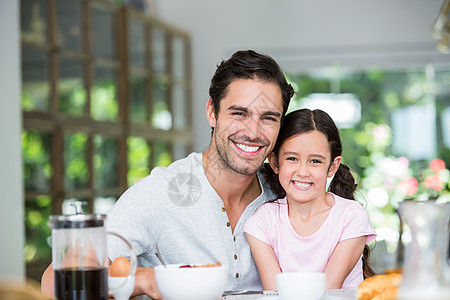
(273, 295)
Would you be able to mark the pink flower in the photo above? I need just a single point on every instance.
(403, 161)
(434, 182)
(437, 165)
(409, 186)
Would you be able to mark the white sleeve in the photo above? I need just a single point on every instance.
(138, 216)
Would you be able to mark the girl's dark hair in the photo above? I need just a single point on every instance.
(248, 64)
(343, 183)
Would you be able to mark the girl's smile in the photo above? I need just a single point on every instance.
(301, 185)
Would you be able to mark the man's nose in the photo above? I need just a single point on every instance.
(253, 128)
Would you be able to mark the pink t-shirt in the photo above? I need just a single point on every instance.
(347, 219)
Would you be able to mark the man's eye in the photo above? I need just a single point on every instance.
(237, 113)
(272, 119)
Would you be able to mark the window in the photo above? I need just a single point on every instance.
(105, 98)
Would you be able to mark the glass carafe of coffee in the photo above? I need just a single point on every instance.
(79, 255)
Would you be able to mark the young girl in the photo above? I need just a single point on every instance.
(308, 228)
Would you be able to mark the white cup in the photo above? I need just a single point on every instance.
(301, 285)
(121, 287)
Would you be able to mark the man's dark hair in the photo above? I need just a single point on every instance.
(248, 64)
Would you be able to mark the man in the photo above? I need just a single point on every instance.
(195, 209)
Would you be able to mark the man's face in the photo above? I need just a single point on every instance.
(247, 124)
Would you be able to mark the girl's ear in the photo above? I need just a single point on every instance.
(210, 115)
(334, 166)
(273, 162)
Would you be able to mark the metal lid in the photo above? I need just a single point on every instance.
(76, 221)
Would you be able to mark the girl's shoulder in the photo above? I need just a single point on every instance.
(275, 203)
(341, 203)
(272, 206)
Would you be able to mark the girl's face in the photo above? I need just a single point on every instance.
(303, 166)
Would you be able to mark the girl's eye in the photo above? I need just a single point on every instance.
(315, 161)
(291, 158)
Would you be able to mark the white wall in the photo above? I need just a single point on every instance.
(11, 197)
(302, 34)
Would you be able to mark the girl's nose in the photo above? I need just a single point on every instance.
(302, 170)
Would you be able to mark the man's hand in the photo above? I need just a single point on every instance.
(146, 283)
(47, 282)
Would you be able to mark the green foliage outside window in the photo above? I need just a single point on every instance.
(161, 153)
(37, 213)
(104, 105)
(75, 158)
(138, 159)
(37, 172)
(37, 169)
(105, 162)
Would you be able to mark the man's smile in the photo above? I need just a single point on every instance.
(247, 148)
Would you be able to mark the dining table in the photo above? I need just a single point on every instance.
(337, 294)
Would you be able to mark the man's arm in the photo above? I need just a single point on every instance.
(145, 283)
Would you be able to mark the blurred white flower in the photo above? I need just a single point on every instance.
(378, 196)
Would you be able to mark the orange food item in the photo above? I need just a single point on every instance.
(377, 285)
(217, 264)
(120, 267)
(387, 294)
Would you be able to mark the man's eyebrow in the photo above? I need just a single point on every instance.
(272, 113)
(245, 109)
(241, 108)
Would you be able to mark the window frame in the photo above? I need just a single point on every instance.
(56, 123)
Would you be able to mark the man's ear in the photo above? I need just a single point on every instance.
(273, 162)
(334, 166)
(210, 114)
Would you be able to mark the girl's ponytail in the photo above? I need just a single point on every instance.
(343, 183)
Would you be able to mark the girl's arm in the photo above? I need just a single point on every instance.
(343, 260)
(266, 262)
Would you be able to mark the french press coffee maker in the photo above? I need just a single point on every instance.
(79, 255)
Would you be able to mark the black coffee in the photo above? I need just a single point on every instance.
(81, 284)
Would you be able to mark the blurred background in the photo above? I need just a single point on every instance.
(98, 92)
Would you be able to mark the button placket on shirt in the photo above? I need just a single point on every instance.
(235, 257)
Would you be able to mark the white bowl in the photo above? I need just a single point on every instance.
(202, 283)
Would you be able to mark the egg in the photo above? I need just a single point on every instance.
(120, 267)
